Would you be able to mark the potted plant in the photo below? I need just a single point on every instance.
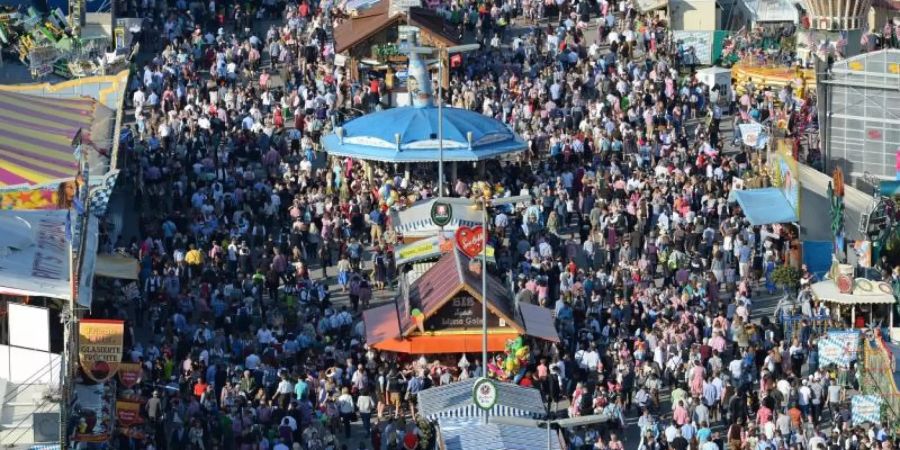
(787, 277)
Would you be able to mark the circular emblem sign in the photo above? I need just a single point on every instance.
(485, 393)
(441, 213)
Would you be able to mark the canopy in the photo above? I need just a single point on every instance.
(117, 266)
(448, 343)
(765, 206)
(410, 134)
(462, 434)
(38, 134)
(865, 292)
(455, 400)
(772, 10)
(415, 221)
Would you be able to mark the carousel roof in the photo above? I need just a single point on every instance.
(375, 136)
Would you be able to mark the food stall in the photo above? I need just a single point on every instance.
(867, 300)
(441, 313)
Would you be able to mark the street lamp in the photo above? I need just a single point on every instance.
(485, 203)
(448, 51)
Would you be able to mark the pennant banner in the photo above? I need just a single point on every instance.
(100, 347)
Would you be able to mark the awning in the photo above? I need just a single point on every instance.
(765, 206)
(538, 322)
(117, 266)
(455, 400)
(463, 434)
(445, 343)
(415, 221)
(37, 137)
(772, 10)
(865, 292)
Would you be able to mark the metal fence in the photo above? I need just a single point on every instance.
(792, 323)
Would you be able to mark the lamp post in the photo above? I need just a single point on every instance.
(449, 51)
(485, 203)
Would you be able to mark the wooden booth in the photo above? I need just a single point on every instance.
(441, 312)
(368, 43)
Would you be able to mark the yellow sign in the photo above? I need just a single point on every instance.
(416, 249)
(855, 65)
(785, 174)
(100, 347)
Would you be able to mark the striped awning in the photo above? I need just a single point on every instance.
(37, 134)
(462, 434)
(474, 411)
(455, 400)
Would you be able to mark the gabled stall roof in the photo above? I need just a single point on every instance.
(378, 17)
(366, 24)
(391, 325)
(449, 276)
(434, 24)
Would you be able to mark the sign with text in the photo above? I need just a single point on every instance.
(34, 254)
(701, 41)
(441, 213)
(461, 312)
(128, 412)
(470, 240)
(707, 44)
(130, 374)
(100, 347)
(838, 348)
(865, 408)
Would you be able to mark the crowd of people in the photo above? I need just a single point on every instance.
(258, 251)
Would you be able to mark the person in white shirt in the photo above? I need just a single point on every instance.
(736, 370)
(589, 359)
(284, 391)
(804, 394)
(346, 409)
(264, 335)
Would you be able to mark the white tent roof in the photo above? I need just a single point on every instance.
(415, 221)
(865, 292)
(772, 10)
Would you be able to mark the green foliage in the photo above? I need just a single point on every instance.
(786, 277)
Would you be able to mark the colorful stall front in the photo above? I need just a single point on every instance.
(441, 313)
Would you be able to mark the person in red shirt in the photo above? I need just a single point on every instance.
(200, 387)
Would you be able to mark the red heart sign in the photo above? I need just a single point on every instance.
(470, 240)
